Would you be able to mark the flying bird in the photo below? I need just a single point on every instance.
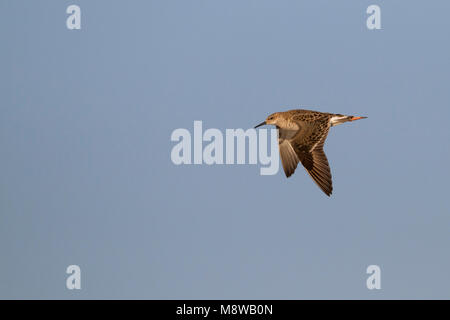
(301, 136)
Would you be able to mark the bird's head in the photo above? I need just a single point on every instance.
(274, 118)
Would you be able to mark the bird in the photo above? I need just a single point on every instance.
(301, 138)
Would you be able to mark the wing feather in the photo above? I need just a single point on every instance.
(289, 158)
(313, 158)
(307, 147)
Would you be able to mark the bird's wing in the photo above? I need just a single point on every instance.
(289, 158)
(308, 147)
(316, 164)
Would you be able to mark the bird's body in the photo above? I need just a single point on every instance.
(301, 136)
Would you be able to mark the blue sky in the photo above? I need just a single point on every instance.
(86, 176)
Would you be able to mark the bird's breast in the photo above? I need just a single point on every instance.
(289, 130)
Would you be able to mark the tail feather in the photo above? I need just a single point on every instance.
(339, 118)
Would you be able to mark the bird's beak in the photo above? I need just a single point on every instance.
(261, 124)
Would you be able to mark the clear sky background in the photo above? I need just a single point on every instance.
(86, 176)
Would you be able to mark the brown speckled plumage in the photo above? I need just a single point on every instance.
(301, 137)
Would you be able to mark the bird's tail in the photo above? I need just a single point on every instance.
(339, 118)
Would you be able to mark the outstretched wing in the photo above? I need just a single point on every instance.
(309, 150)
(289, 158)
(316, 164)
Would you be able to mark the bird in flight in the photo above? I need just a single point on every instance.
(301, 136)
